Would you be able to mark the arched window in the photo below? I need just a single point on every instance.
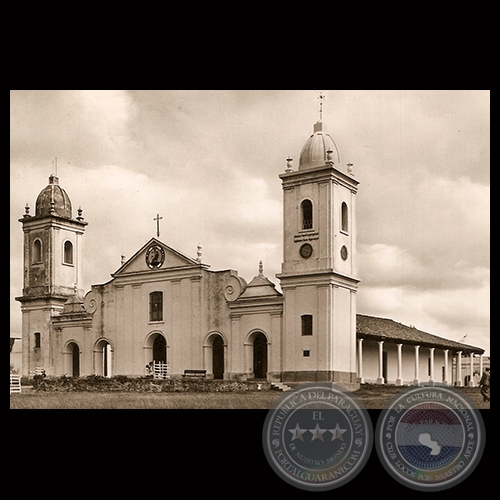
(344, 215)
(307, 214)
(68, 252)
(37, 251)
(156, 306)
(37, 339)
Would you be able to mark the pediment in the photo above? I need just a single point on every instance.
(155, 255)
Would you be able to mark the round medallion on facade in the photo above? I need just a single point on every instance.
(430, 438)
(343, 252)
(306, 250)
(155, 256)
(317, 437)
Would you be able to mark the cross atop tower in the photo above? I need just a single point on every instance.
(157, 219)
(54, 167)
(321, 97)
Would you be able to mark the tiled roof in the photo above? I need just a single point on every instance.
(372, 328)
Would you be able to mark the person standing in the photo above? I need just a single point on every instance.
(484, 383)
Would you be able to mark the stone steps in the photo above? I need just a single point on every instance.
(280, 386)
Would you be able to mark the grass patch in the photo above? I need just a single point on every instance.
(372, 396)
(134, 400)
(377, 396)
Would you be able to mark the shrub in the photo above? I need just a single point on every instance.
(122, 383)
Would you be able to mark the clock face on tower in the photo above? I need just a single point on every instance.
(155, 256)
(306, 250)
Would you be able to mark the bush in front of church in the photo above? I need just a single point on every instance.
(122, 383)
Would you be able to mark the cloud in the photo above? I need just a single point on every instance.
(448, 300)
(392, 266)
(84, 127)
(447, 313)
(441, 223)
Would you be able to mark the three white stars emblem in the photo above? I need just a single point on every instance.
(297, 433)
(317, 433)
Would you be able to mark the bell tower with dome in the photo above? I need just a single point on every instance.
(53, 261)
(319, 274)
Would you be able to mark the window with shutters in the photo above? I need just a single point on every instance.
(156, 306)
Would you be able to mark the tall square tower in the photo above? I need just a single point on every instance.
(53, 262)
(318, 275)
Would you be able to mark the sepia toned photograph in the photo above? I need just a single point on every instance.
(215, 249)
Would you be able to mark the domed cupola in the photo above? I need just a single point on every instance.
(53, 200)
(314, 153)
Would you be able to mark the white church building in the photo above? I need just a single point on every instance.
(164, 306)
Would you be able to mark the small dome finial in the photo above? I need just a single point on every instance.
(80, 211)
(198, 253)
(318, 126)
(329, 157)
(261, 269)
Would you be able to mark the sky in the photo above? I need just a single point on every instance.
(208, 162)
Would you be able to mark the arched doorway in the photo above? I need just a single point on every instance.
(160, 349)
(72, 359)
(218, 357)
(155, 349)
(103, 355)
(214, 355)
(75, 359)
(260, 355)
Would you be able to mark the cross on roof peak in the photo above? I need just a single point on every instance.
(157, 219)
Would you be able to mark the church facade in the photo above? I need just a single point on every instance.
(167, 307)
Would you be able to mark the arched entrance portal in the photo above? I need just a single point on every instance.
(214, 355)
(72, 359)
(260, 355)
(155, 349)
(160, 349)
(218, 357)
(103, 355)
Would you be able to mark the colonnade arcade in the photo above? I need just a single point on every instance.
(413, 358)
